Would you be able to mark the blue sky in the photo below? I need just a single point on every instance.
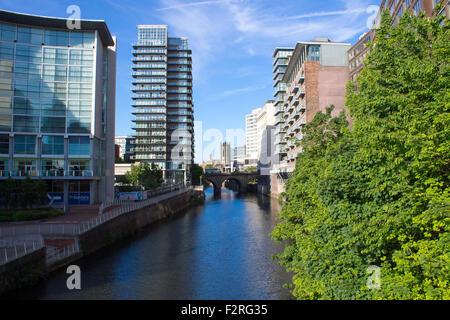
(232, 43)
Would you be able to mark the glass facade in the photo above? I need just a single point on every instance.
(46, 86)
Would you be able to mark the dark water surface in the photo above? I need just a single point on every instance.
(221, 250)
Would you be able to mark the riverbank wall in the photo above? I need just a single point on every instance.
(26, 270)
(33, 267)
(129, 224)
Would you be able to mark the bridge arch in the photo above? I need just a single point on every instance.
(243, 179)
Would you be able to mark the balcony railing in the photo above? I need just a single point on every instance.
(48, 173)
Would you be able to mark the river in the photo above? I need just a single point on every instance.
(221, 250)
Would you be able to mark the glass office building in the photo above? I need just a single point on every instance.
(162, 101)
(57, 106)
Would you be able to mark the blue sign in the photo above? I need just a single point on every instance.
(79, 198)
(55, 198)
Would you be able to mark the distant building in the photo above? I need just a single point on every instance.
(251, 137)
(57, 106)
(281, 60)
(121, 141)
(225, 155)
(315, 78)
(117, 151)
(129, 149)
(358, 52)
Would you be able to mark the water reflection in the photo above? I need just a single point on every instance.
(221, 250)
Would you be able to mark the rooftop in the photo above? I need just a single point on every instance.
(57, 23)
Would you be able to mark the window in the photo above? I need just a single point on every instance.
(55, 56)
(7, 32)
(24, 144)
(26, 123)
(314, 53)
(82, 40)
(53, 145)
(30, 35)
(79, 125)
(52, 168)
(54, 73)
(79, 146)
(4, 168)
(4, 144)
(78, 168)
(56, 38)
(53, 124)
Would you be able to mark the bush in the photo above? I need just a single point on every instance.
(377, 195)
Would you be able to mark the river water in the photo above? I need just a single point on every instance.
(220, 251)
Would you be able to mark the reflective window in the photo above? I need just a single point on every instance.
(56, 38)
(4, 144)
(27, 106)
(52, 168)
(26, 124)
(7, 32)
(53, 145)
(79, 125)
(81, 57)
(55, 55)
(78, 108)
(53, 124)
(79, 146)
(82, 39)
(28, 53)
(24, 144)
(54, 73)
(30, 35)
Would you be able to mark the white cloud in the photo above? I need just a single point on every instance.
(242, 90)
(244, 27)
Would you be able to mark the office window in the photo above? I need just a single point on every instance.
(79, 146)
(56, 38)
(78, 108)
(7, 32)
(4, 144)
(55, 56)
(81, 57)
(54, 73)
(79, 125)
(53, 124)
(26, 123)
(82, 39)
(53, 107)
(24, 144)
(28, 54)
(53, 145)
(30, 35)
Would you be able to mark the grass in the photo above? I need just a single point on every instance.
(28, 214)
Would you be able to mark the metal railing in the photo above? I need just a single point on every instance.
(16, 248)
(75, 229)
(56, 254)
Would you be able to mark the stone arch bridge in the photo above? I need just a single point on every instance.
(242, 179)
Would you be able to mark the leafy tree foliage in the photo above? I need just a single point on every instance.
(149, 177)
(377, 194)
(22, 193)
(197, 174)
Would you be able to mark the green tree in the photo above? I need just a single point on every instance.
(149, 177)
(197, 174)
(377, 194)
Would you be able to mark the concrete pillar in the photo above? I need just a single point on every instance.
(66, 193)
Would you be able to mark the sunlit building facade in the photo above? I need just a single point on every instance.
(397, 8)
(162, 101)
(57, 106)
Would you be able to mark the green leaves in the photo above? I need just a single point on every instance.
(377, 194)
(149, 177)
